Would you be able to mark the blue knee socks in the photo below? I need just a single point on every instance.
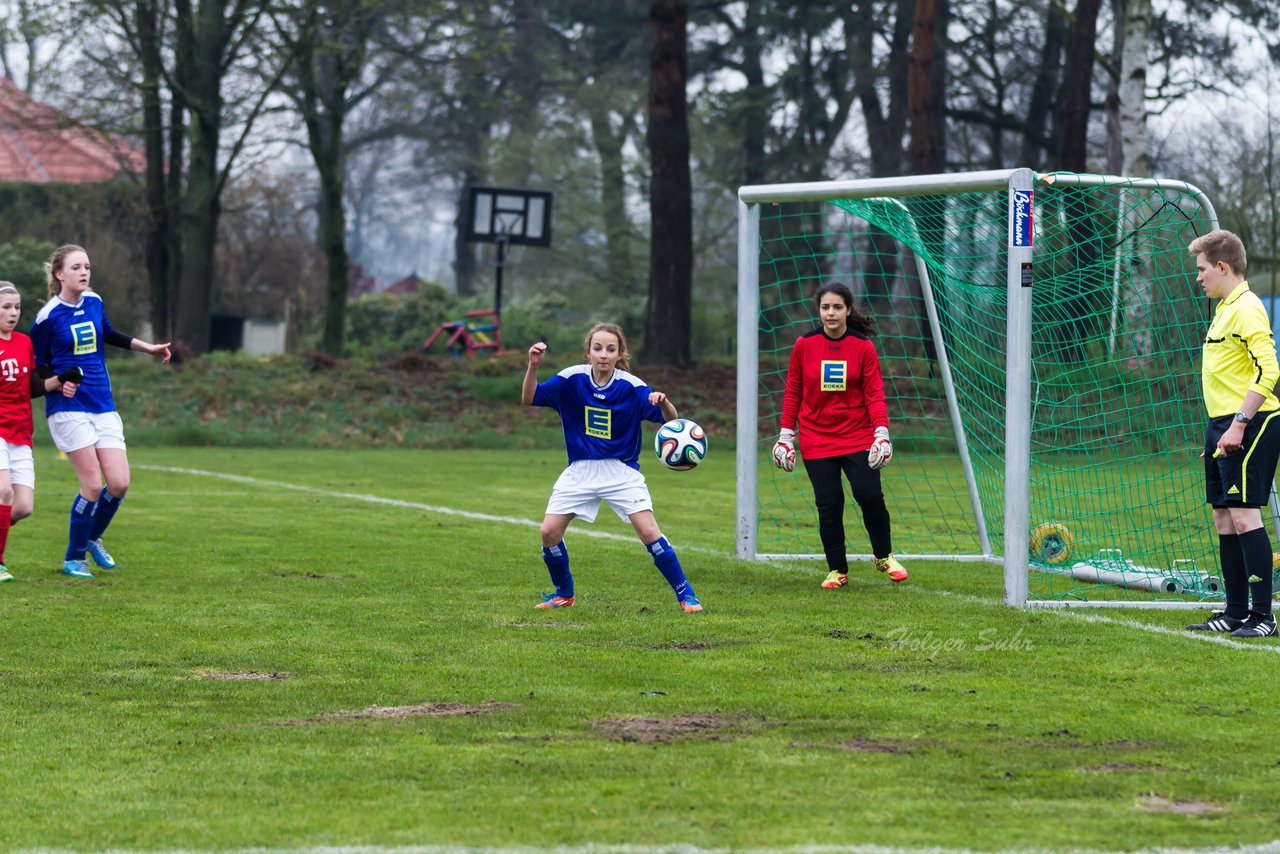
(557, 560)
(664, 558)
(81, 525)
(104, 512)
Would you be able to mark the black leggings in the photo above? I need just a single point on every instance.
(828, 495)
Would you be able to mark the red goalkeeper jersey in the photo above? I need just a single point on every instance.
(835, 392)
(17, 364)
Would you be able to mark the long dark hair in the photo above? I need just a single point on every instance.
(858, 322)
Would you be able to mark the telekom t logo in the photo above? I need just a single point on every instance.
(9, 369)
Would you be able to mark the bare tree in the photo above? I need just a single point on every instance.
(670, 316)
(333, 66)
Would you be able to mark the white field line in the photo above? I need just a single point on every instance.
(408, 505)
(1063, 613)
(1265, 848)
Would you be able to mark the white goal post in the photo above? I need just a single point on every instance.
(1018, 187)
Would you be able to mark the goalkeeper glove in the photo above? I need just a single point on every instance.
(881, 450)
(72, 374)
(784, 450)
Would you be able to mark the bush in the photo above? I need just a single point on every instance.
(385, 325)
(22, 262)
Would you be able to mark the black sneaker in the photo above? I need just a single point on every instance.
(1217, 622)
(1257, 626)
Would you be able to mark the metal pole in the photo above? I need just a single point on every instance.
(748, 376)
(1017, 393)
(499, 264)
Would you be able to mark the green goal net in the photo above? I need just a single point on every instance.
(1113, 490)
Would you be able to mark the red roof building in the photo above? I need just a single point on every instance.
(410, 284)
(38, 144)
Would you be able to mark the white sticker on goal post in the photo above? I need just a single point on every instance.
(1020, 217)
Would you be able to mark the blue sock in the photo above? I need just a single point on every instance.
(81, 524)
(664, 558)
(104, 512)
(557, 560)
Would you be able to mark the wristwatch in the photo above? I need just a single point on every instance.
(1242, 418)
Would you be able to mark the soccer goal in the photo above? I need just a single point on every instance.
(1039, 336)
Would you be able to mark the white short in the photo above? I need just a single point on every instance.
(72, 431)
(17, 459)
(584, 484)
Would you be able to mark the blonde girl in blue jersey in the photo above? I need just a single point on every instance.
(601, 406)
(72, 329)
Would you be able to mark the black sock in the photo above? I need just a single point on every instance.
(1234, 579)
(1256, 546)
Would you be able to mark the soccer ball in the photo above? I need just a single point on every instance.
(1052, 544)
(680, 444)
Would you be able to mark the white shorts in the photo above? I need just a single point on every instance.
(584, 484)
(72, 431)
(17, 459)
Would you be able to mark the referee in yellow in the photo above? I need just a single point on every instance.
(1242, 441)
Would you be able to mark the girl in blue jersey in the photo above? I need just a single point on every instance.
(71, 329)
(601, 407)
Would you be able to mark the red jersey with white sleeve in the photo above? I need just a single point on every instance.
(836, 393)
(17, 365)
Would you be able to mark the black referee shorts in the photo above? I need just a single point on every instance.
(1244, 478)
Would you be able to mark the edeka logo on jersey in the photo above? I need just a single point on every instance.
(598, 422)
(1020, 218)
(86, 337)
(834, 375)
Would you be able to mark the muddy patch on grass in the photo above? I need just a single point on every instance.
(1120, 768)
(311, 575)
(548, 625)
(246, 676)
(685, 645)
(861, 745)
(873, 745)
(1159, 803)
(427, 710)
(667, 730)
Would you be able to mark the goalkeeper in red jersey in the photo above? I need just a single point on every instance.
(834, 398)
(19, 383)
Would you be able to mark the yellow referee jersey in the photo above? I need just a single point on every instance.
(1239, 355)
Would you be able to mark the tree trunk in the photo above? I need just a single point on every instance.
(613, 199)
(1077, 88)
(669, 328)
(926, 81)
(159, 222)
(201, 210)
(1115, 151)
(926, 108)
(464, 265)
(755, 125)
(333, 240)
(885, 129)
(207, 40)
(1042, 89)
(1136, 157)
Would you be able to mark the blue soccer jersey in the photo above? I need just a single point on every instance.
(600, 422)
(64, 335)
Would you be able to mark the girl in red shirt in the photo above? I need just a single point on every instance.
(835, 396)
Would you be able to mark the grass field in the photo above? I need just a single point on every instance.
(218, 691)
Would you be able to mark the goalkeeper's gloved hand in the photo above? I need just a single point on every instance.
(72, 374)
(881, 450)
(784, 450)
